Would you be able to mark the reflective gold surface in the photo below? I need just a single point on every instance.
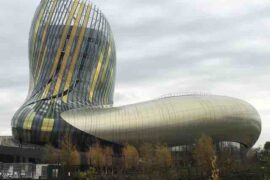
(174, 120)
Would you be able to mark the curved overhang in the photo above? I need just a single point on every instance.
(173, 120)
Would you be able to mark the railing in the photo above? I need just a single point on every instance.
(8, 141)
(189, 93)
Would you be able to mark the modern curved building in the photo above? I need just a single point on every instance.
(72, 75)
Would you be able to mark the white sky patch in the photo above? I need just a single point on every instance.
(225, 8)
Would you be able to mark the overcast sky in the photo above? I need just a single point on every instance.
(216, 46)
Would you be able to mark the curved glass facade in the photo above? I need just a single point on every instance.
(72, 76)
(72, 64)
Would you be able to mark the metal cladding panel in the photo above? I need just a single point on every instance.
(72, 64)
(175, 121)
(72, 61)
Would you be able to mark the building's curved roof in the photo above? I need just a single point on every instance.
(173, 120)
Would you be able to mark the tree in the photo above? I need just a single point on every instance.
(214, 169)
(156, 162)
(50, 154)
(266, 154)
(163, 162)
(69, 155)
(131, 157)
(163, 157)
(226, 161)
(267, 146)
(108, 152)
(147, 155)
(89, 175)
(96, 156)
(204, 153)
